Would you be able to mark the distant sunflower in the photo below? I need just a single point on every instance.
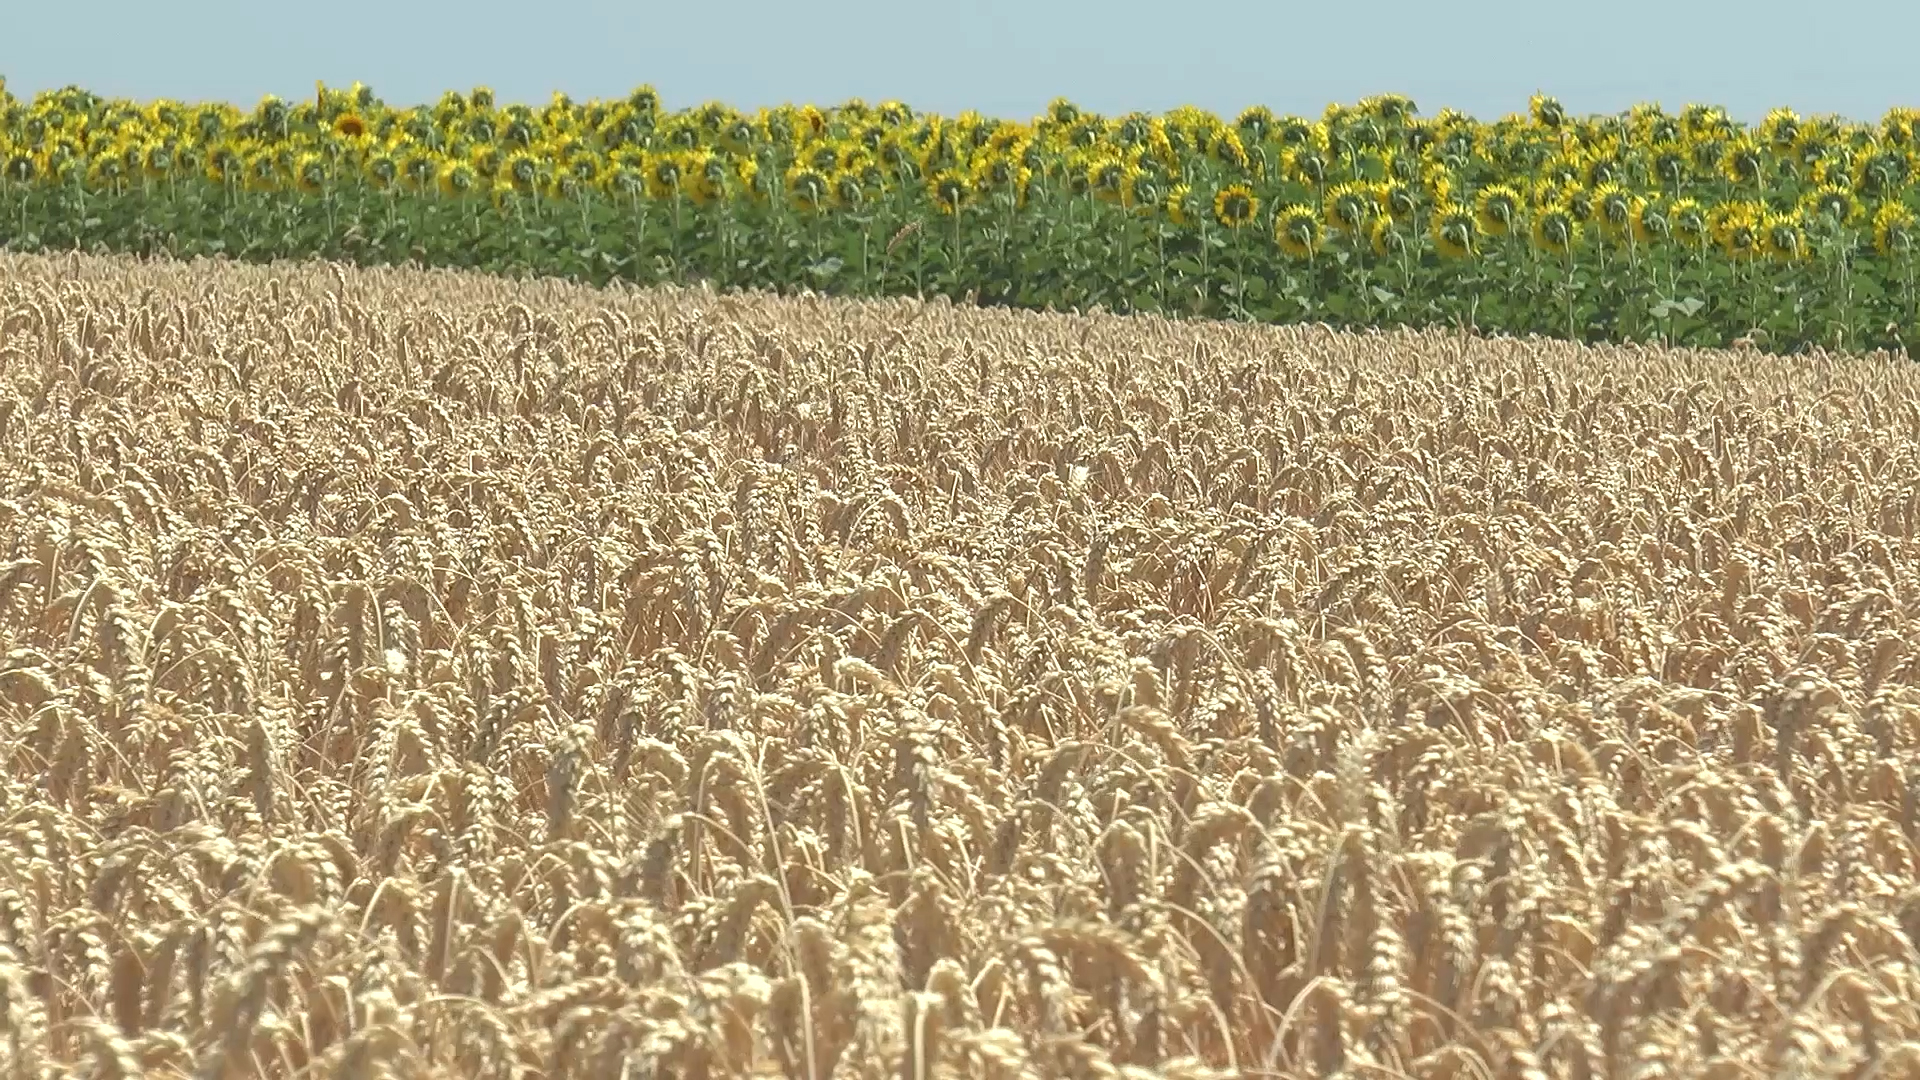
(1107, 179)
(383, 169)
(1453, 232)
(1399, 200)
(807, 188)
(1649, 225)
(19, 168)
(310, 173)
(1668, 167)
(1736, 228)
(1688, 223)
(1387, 240)
(1297, 230)
(1255, 122)
(1884, 173)
(1832, 202)
(522, 170)
(1780, 130)
(349, 125)
(1235, 205)
(1305, 165)
(1893, 230)
(1781, 237)
(1496, 209)
(1613, 208)
(1742, 163)
(458, 179)
(949, 191)
(1179, 205)
(1547, 112)
(1555, 230)
(1348, 208)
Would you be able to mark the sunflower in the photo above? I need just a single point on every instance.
(1687, 223)
(624, 181)
(1648, 225)
(1780, 130)
(1668, 167)
(1387, 240)
(1556, 230)
(1883, 173)
(807, 188)
(1106, 179)
(1398, 200)
(382, 168)
(1735, 227)
(1741, 161)
(1832, 202)
(1297, 230)
(1304, 165)
(310, 173)
(1781, 237)
(1228, 150)
(1178, 205)
(1348, 207)
(458, 179)
(1235, 205)
(106, 173)
(1893, 230)
(1256, 121)
(1144, 191)
(418, 168)
(948, 189)
(1546, 112)
(1613, 209)
(19, 168)
(1496, 209)
(258, 171)
(1453, 232)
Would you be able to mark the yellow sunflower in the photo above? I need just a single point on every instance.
(1893, 230)
(1782, 238)
(1235, 205)
(1297, 230)
(1453, 231)
(1496, 209)
(1688, 223)
(1556, 230)
(1386, 238)
(1348, 207)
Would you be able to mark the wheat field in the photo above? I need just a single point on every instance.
(416, 675)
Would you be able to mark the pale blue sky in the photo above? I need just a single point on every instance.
(1005, 58)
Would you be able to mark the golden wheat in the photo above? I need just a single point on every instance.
(418, 675)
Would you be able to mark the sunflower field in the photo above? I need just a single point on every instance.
(1688, 228)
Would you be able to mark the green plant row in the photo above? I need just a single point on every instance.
(1060, 251)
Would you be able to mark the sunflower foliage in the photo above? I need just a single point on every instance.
(1683, 227)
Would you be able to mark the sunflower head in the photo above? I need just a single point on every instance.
(1780, 130)
(1391, 109)
(1735, 226)
(458, 179)
(949, 190)
(1297, 230)
(1741, 162)
(1387, 240)
(1235, 205)
(1687, 223)
(1883, 173)
(1399, 199)
(1496, 209)
(1107, 179)
(1893, 230)
(1348, 207)
(1305, 165)
(1831, 203)
(1556, 230)
(19, 168)
(1453, 231)
(1782, 238)
(1668, 167)
(1547, 112)
(1179, 205)
(1255, 122)
(624, 181)
(310, 173)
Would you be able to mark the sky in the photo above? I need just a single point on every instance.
(1004, 58)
